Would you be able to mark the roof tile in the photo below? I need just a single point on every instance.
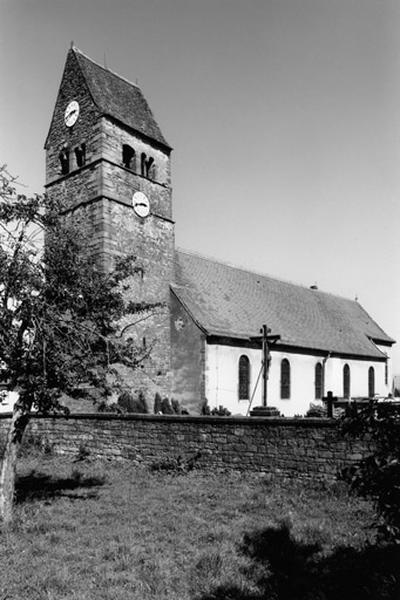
(119, 98)
(233, 302)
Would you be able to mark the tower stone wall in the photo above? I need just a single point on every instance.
(100, 192)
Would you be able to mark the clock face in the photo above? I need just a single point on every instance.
(71, 113)
(141, 204)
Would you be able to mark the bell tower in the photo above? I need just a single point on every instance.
(107, 160)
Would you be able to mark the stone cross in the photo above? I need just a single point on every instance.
(330, 399)
(266, 340)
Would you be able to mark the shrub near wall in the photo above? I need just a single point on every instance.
(301, 448)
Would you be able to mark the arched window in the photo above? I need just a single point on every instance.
(150, 168)
(346, 381)
(64, 161)
(143, 164)
(371, 382)
(318, 381)
(285, 379)
(128, 157)
(80, 155)
(244, 378)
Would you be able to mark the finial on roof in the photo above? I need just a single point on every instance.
(105, 61)
(72, 44)
(356, 297)
(314, 286)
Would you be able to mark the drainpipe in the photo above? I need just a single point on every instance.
(324, 361)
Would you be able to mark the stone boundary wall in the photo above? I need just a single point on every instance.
(300, 448)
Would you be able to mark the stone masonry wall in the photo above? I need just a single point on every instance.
(187, 359)
(299, 448)
(102, 189)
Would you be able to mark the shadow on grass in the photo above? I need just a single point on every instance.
(38, 486)
(284, 569)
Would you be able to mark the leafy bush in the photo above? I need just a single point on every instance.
(205, 409)
(128, 403)
(166, 407)
(34, 444)
(178, 464)
(157, 404)
(317, 411)
(378, 475)
(83, 453)
(176, 408)
(104, 407)
(221, 411)
(141, 404)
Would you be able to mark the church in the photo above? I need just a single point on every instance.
(109, 163)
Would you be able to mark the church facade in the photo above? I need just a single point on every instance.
(109, 163)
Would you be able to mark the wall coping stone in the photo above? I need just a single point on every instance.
(199, 419)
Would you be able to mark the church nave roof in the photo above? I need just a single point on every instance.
(232, 302)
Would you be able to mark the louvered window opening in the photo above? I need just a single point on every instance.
(128, 157)
(285, 379)
(244, 378)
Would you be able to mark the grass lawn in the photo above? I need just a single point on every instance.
(103, 530)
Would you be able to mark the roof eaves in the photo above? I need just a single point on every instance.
(142, 135)
(386, 338)
(375, 341)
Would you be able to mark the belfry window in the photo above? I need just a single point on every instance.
(80, 155)
(285, 379)
(371, 382)
(346, 381)
(64, 161)
(318, 381)
(244, 377)
(128, 157)
(143, 162)
(150, 168)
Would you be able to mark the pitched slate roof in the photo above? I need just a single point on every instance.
(119, 98)
(232, 302)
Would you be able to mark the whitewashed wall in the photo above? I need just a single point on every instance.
(222, 379)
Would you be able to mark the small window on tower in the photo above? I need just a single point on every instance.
(150, 168)
(80, 155)
(143, 164)
(128, 157)
(64, 161)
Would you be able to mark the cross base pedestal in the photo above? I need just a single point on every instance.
(265, 411)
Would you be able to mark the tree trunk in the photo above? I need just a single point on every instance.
(16, 430)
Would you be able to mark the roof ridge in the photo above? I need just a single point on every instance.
(76, 49)
(254, 272)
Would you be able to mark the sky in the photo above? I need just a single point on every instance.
(283, 114)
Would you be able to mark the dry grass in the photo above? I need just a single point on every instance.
(94, 531)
